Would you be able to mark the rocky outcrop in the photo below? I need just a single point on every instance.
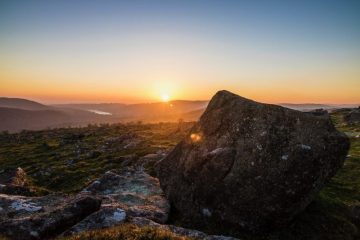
(110, 200)
(107, 216)
(43, 217)
(250, 165)
(135, 190)
(125, 193)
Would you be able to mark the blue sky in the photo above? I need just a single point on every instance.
(294, 50)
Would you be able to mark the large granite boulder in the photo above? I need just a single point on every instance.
(250, 165)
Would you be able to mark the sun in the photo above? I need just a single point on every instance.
(165, 97)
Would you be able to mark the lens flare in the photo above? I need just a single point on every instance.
(195, 137)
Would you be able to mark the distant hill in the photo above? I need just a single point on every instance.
(20, 103)
(305, 106)
(140, 110)
(17, 114)
(312, 106)
(13, 120)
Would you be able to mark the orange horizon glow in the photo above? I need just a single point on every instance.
(51, 84)
(282, 89)
(68, 99)
(53, 53)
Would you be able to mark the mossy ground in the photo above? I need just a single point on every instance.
(45, 156)
(68, 159)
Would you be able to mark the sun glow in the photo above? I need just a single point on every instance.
(195, 137)
(165, 97)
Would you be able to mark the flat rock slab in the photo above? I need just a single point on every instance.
(13, 206)
(251, 165)
(43, 217)
(107, 216)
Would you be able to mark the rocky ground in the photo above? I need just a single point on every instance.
(121, 196)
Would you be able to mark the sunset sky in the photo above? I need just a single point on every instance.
(141, 50)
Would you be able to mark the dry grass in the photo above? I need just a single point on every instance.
(127, 231)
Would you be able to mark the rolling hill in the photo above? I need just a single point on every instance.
(13, 120)
(17, 114)
(20, 103)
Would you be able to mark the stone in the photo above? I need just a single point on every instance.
(43, 217)
(129, 192)
(355, 213)
(107, 216)
(13, 177)
(14, 182)
(248, 165)
(134, 189)
(353, 116)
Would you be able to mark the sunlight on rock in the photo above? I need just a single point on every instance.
(195, 137)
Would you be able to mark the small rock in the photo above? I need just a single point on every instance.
(13, 177)
(43, 217)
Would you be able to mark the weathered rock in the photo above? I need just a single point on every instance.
(14, 207)
(13, 177)
(107, 216)
(250, 165)
(125, 193)
(355, 213)
(353, 116)
(135, 189)
(42, 217)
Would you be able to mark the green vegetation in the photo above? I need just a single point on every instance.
(68, 159)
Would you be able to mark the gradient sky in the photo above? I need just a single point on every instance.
(137, 50)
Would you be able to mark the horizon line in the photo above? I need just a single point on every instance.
(154, 102)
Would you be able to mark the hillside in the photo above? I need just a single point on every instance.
(18, 114)
(20, 103)
(13, 120)
(143, 110)
(67, 160)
